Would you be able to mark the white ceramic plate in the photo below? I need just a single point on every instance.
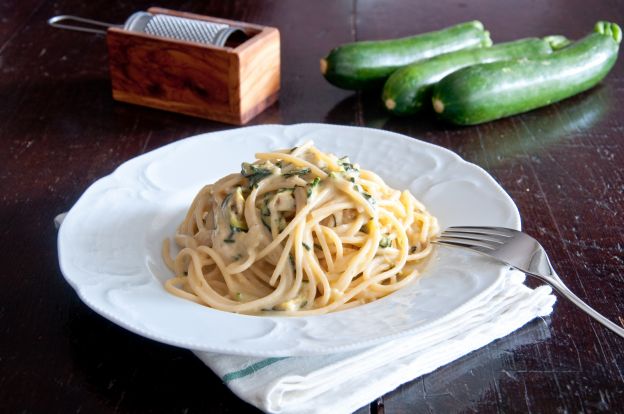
(110, 242)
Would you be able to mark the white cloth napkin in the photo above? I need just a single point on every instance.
(341, 383)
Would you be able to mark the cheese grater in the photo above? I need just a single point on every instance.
(224, 70)
(171, 27)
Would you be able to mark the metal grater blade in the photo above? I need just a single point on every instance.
(190, 30)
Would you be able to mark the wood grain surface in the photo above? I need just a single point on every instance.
(60, 130)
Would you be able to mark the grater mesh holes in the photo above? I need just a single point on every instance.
(184, 29)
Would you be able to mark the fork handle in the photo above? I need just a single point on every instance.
(558, 285)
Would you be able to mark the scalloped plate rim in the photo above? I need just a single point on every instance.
(127, 324)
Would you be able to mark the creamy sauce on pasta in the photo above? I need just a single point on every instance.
(298, 232)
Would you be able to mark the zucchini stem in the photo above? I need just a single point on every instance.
(557, 42)
(487, 40)
(609, 29)
(477, 24)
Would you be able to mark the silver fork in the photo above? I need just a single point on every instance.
(521, 251)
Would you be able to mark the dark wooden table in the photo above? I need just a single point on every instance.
(60, 131)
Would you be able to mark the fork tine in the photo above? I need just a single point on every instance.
(496, 231)
(465, 245)
(469, 242)
(494, 238)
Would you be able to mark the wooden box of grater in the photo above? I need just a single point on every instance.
(226, 84)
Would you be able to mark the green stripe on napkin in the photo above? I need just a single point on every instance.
(250, 369)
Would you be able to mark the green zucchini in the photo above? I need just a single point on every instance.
(489, 91)
(408, 90)
(365, 65)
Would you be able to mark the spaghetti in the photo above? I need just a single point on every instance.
(298, 231)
